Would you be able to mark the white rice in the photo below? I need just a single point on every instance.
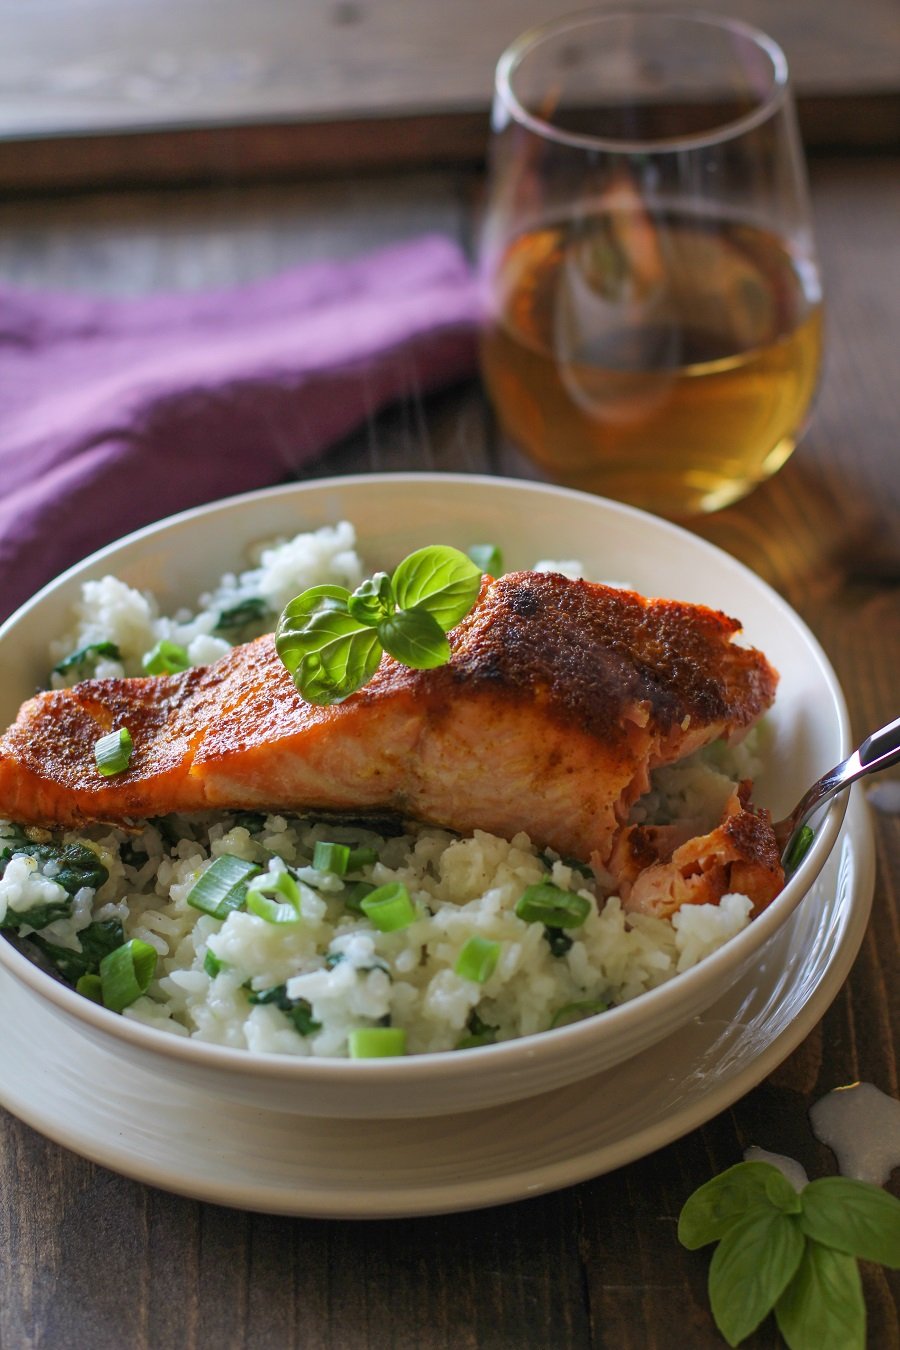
(332, 963)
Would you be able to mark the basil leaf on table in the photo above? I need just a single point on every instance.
(718, 1205)
(751, 1268)
(823, 1307)
(854, 1217)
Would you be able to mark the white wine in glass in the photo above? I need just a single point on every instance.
(652, 303)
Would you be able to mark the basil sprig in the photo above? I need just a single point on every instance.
(791, 1252)
(331, 639)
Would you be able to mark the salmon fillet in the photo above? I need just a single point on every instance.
(559, 699)
(657, 870)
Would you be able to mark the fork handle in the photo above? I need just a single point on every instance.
(882, 748)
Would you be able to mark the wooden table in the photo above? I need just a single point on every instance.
(89, 1259)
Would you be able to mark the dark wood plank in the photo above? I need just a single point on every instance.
(268, 151)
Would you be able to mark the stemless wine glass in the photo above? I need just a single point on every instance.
(652, 303)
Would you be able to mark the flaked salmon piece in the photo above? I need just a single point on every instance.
(559, 699)
(657, 870)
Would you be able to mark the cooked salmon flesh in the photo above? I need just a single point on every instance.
(559, 699)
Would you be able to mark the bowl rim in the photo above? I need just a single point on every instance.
(520, 1051)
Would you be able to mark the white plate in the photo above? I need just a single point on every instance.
(85, 1097)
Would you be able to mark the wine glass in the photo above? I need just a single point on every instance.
(652, 302)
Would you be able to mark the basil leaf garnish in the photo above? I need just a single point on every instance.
(331, 641)
(439, 579)
(373, 600)
(415, 639)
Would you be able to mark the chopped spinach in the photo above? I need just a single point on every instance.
(558, 940)
(480, 1033)
(83, 663)
(251, 821)
(355, 894)
(79, 865)
(231, 621)
(97, 940)
(582, 868)
(173, 829)
(298, 1010)
(39, 916)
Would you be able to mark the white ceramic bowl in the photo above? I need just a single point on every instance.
(394, 514)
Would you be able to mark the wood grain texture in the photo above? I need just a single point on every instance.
(81, 65)
(95, 92)
(88, 1258)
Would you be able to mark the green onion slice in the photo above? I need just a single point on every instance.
(223, 886)
(376, 1042)
(389, 908)
(478, 959)
(361, 857)
(125, 974)
(329, 857)
(262, 893)
(799, 849)
(91, 987)
(574, 1012)
(550, 905)
(166, 658)
(113, 752)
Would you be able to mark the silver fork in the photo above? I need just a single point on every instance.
(878, 751)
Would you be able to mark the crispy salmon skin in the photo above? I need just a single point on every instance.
(559, 699)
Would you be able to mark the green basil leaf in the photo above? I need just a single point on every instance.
(346, 656)
(854, 1217)
(487, 558)
(317, 687)
(439, 579)
(295, 617)
(750, 1270)
(334, 673)
(373, 600)
(315, 599)
(415, 639)
(719, 1204)
(823, 1307)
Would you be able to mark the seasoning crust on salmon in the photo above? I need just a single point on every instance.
(559, 700)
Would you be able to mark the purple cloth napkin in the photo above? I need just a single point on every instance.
(115, 413)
